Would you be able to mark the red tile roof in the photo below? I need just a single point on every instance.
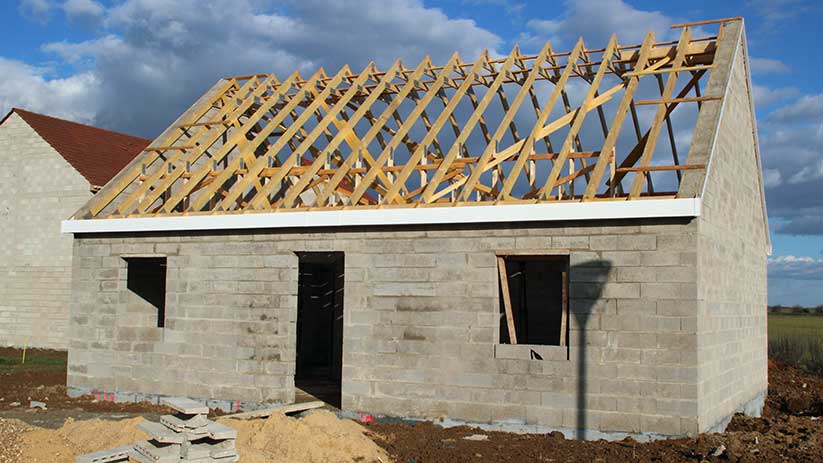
(98, 154)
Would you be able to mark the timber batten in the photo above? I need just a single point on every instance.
(521, 129)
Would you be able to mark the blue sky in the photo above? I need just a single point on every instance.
(134, 65)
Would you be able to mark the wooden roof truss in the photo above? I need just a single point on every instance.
(579, 125)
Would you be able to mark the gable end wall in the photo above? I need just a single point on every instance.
(38, 189)
(732, 258)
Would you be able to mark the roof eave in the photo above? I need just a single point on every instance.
(508, 213)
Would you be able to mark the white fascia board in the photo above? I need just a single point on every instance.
(596, 210)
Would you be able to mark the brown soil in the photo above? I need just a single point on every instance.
(43, 378)
(788, 431)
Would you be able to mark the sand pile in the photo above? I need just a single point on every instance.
(10, 431)
(76, 438)
(319, 437)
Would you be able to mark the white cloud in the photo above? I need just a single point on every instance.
(31, 88)
(511, 7)
(596, 20)
(36, 10)
(791, 140)
(772, 178)
(808, 173)
(83, 11)
(775, 12)
(768, 66)
(794, 260)
(765, 96)
(796, 267)
(808, 108)
(157, 56)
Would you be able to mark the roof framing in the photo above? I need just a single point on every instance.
(433, 136)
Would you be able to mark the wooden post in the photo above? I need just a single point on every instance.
(612, 168)
(507, 300)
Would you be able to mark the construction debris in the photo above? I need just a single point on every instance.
(187, 436)
(37, 404)
(106, 456)
(282, 409)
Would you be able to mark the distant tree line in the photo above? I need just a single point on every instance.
(796, 309)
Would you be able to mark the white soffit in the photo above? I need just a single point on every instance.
(596, 210)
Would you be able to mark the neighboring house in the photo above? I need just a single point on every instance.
(48, 168)
(465, 240)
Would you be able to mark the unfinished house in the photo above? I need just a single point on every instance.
(50, 167)
(571, 239)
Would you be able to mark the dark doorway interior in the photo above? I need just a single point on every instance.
(320, 325)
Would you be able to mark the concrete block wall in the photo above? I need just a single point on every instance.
(229, 327)
(421, 323)
(38, 188)
(732, 260)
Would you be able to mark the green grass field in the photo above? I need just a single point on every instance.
(36, 360)
(797, 339)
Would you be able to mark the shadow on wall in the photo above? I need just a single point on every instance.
(586, 284)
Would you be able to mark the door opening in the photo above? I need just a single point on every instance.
(319, 362)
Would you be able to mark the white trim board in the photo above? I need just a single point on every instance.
(597, 210)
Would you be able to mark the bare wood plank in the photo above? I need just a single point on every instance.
(131, 172)
(442, 118)
(261, 198)
(238, 141)
(203, 124)
(528, 145)
(619, 117)
(661, 168)
(507, 301)
(192, 157)
(660, 115)
(377, 125)
(407, 125)
(670, 70)
(171, 148)
(635, 153)
(344, 132)
(677, 100)
(273, 123)
(232, 110)
(710, 21)
(491, 148)
(579, 117)
(476, 117)
(282, 409)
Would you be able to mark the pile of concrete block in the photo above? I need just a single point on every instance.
(187, 436)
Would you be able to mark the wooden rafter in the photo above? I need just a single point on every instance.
(347, 139)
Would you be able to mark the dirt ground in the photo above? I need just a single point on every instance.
(790, 429)
(43, 378)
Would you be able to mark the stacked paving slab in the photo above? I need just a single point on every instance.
(187, 436)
